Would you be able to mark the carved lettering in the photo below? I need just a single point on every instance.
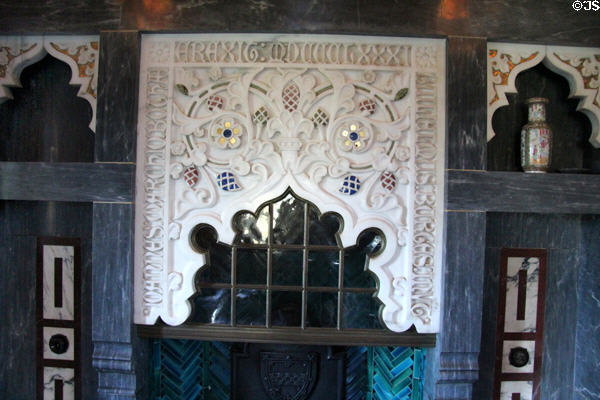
(422, 292)
(157, 103)
(240, 52)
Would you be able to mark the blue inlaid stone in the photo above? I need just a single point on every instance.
(351, 185)
(228, 182)
(353, 136)
(227, 133)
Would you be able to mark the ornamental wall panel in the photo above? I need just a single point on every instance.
(354, 125)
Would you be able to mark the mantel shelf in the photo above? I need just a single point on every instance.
(485, 191)
(522, 192)
(355, 337)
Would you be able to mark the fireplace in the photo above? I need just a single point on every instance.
(289, 202)
(289, 213)
(218, 370)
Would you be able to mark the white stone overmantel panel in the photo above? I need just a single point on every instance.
(355, 125)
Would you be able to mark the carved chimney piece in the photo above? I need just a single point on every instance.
(355, 125)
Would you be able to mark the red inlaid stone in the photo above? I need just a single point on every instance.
(215, 101)
(388, 181)
(367, 105)
(190, 175)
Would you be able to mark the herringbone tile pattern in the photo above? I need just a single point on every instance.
(190, 370)
(384, 373)
(193, 370)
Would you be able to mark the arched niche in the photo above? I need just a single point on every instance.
(579, 65)
(80, 53)
(46, 121)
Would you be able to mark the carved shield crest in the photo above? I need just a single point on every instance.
(288, 376)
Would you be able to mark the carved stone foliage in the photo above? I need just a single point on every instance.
(579, 65)
(79, 52)
(354, 125)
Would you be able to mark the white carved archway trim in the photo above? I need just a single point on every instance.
(579, 65)
(80, 53)
(271, 112)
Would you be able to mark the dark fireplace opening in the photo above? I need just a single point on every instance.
(287, 372)
(202, 370)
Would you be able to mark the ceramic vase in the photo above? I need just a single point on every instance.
(536, 137)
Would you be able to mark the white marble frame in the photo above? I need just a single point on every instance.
(171, 140)
(67, 375)
(69, 333)
(524, 388)
(80, 53)
(579, 65)
(67, 255)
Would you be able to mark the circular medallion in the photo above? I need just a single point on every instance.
(59, 344)
(518, 357)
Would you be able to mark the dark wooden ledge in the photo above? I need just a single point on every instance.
(66, 181)
(521, 192)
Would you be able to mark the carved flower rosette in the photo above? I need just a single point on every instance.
(353, 126)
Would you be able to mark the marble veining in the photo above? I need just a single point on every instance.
(586, 384)
(117, 84)
(66, 253)
(69, 333)
(52, 374)
(515, 264)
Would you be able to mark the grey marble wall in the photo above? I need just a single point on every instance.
(120, 357)
(452, 367)
(587, 339)
(554, 21)
(21, 222)
(561, 236)
(117, 96)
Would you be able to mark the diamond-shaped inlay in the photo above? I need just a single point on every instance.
(190, 175)
(291, 97)
(215, 102)
(388, 181)
(367, 106)
(320, 117)
(228, 182)
(351, 185)
(260, 116)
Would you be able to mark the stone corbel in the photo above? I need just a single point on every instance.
(80, 53)
(579, 65)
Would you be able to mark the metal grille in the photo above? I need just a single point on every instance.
(287, 268)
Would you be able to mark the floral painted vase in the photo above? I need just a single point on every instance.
(536, 137)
